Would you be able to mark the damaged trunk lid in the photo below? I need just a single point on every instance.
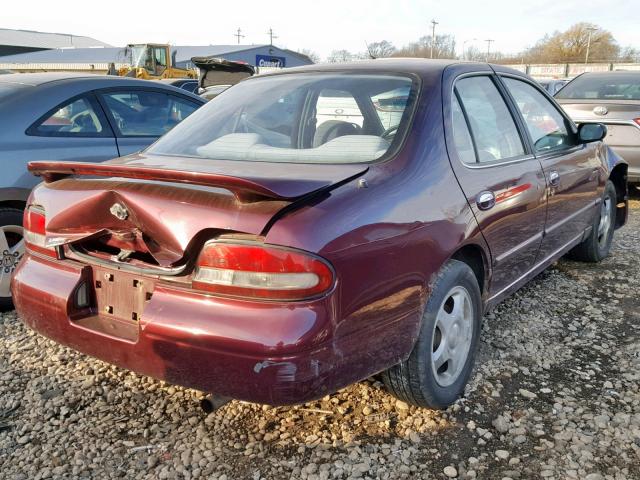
(152, 210)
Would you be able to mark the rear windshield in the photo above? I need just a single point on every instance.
(298, 118)
(603, 87)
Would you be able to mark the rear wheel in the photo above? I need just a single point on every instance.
(11, 251)
(598, 244)
(442, 359)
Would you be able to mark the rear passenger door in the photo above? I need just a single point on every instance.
(570, 167)
(140, 116)
(503, 182)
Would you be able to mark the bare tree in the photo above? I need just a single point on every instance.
(444, 47)
(475, 54)
(315, 58)
(338, 56)
(629, 54)
(380, 49)
(571, 45)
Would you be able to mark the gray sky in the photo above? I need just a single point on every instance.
(323, 25)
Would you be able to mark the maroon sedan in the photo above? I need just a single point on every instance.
(264, 252)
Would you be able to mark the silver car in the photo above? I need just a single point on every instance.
(612, 98)
(63, 116)
(552, 85)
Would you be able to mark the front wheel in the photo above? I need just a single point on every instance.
(597, 245)
(442, 359)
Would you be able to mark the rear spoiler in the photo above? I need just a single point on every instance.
(243, 189)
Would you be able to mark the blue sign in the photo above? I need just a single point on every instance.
(270, 61)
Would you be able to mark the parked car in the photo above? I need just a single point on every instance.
(249, 254)
(611, 98)
(188, 84)
(62, 116)
(215, 75)
(553, 85)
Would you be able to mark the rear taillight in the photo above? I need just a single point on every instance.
(637, 120)
(261, 271)
(34, 234)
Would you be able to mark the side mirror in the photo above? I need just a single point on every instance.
(591, 132)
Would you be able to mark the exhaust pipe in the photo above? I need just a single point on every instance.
(213, 402)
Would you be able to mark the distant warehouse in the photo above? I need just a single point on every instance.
(98, 59)
(14, 42)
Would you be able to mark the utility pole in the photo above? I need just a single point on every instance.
(488, 40)
(271, 36)
(238, 35)
(433, 35)
(591, 30)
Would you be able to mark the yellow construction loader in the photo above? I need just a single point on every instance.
(151, 61)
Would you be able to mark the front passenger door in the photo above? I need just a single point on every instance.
(571, 168)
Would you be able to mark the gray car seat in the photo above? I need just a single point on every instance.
(333, 129)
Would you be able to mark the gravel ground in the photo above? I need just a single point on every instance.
(555, 395)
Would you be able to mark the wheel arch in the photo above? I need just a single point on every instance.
(476, 258)
(618, 177)
(17, 204)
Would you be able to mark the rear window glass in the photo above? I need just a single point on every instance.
(603, 87)
(298, 118)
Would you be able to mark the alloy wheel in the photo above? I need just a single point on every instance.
(11, 251)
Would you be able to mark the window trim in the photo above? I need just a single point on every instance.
(456, 96)
(573, 129)
(522, 134)
(92, 100)
(125, 89)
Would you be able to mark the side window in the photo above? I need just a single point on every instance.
(337, 114)
(491, 123)
(142, 113)
(275, 122)
(547, 127)
(461, 135)
(76, 118)
(390, 106)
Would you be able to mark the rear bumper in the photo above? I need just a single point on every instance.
(266, 353)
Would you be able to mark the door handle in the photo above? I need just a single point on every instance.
(486, 200)
(554, 178)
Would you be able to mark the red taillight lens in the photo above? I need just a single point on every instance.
(34, 233)
(637, 120)
(260, 271)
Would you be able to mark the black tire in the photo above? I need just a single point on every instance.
(597, 245)
(8, 216)
(413, 380)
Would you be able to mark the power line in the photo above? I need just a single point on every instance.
(591, 30)
(488, 40)
(238, 35)
(433, 35)
(271, 36)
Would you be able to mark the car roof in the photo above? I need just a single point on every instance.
(417, 66)
(35, 79)
(86, 80)
(613, 73)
